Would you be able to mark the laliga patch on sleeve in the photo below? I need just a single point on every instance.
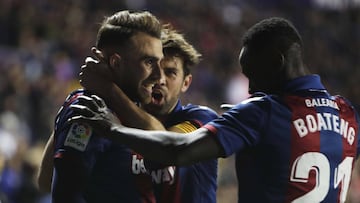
(78, 136)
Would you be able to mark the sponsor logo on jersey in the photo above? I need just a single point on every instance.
(158, 176)
(164, 175)
(317, 102)
(78, 136)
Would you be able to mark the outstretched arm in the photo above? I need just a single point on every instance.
(162, 146)
(45, 171)
(168, 147)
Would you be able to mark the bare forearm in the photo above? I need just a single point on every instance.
(129, 113)
(45, 171)
(168, 147)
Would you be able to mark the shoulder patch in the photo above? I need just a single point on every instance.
(186, 127)
(78, 136)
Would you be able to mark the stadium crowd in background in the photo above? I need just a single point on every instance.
(43, 44)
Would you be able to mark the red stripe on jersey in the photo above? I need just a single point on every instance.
(349, 148)
(72, 99)
(58, 155)
(142, 178)
(171, 192)
(210, 128)
(310, 142)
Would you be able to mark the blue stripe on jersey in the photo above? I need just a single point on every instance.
(327, 146)
(108, 168)
(281, 153)
(196, 183)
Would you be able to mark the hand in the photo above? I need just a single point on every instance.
(95, 74)
(93, 110)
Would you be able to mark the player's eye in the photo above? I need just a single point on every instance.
(171, 72)
(150, 62)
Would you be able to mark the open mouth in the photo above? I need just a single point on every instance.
(157, 96)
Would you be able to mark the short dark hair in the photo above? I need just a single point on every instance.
(275, 32)
(118, 28)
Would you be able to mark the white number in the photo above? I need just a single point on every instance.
(320, 164)
(300, 173)
(343, 174)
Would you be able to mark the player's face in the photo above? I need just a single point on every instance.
(140, 67)
(167, 90)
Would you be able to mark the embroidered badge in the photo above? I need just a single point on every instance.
(78, 136)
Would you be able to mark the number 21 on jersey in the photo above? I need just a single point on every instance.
(320, 164)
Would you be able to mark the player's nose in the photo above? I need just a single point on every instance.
(158, 75)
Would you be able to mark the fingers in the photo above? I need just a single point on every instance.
(89, 66)
(82, 110)
(77, 119)
(83, 119)
(91, 60)
(92, 102)
(94, 68)
(98, 54)
(89, 72)
(100, 102)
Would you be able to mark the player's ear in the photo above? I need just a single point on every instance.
(186, 83)
(280, 58)
(115, 60)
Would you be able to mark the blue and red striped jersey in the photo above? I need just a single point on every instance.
(297, 147)
(196, 183)
(91, 168)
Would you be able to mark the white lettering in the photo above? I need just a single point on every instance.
(311, 121)
(351, 135)
(344, 127)
(328, 118)
(321, 122)
(164, 175)
(156, 176)
(335, 121)
(324, 121)
(318, 102)
(300, 127)
(137, 165)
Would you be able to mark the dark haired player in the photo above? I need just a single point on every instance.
(294, 141)
(194, 183)
(85, 166)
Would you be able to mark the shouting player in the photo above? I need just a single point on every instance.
(194, 183)
(293, 140)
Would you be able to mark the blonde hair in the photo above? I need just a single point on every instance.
(175, 43)
(118, 28)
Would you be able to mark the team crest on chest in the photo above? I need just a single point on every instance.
(78, 136)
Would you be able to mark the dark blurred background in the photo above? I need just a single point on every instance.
(44, 43)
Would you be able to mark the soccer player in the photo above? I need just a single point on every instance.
(194, 183)
(294, 141)
(85, 166)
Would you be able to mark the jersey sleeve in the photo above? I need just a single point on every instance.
(192, 183)
(197, 116)
(76, 151)
(236, 130)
